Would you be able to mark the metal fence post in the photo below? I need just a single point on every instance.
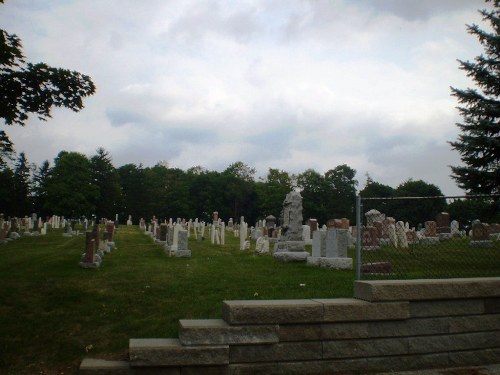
(358, 237)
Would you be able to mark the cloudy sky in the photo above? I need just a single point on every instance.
(288, 84)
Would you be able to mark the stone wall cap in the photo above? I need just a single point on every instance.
(426, 289)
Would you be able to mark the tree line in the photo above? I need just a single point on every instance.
(76, 185)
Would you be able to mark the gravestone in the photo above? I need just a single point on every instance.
(393, 238)
(411, 237)
(319, 244)
(443, 222)
(430, 234)
(182, 245)
(110, 232)
(243, 232)
(480, 235)
(455, 228)
(373, 215)
(90, 259)
(443, 226)
(369, 238)
(271, 227)
(68, 232)
(313, 225)
(163, 233)
(430, 229)
(306, 234)
(262, 245)
(335, 242)
(291, 247)
(401, 235)
(494, 231)
(3, 235)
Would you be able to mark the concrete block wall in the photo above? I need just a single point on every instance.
(391, 325)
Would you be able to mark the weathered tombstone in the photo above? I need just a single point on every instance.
(313, 225)
(384, 234)
(430, 229)
(494, 231)
(129, 220)
(175, 238)
(480, 235)
(379, 227)
(271, 226)
(243, 232)
(335, 242)
(306, 234)
(319, 244)
(291, 247)
(90, 259)
(68, 232)
(3, 235)
(110, 230)
(411, 237)
(401, 235)
(170, 236)
(455, 228)
(372, 216)
(182, 245)
(393, 238)
(369, 238)
(443, 222)
(163, 233)
(430, 232)
(262, 245)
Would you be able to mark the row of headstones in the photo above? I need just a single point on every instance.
(386, 231)
(12, 228)
(172, 236)
(96, 247)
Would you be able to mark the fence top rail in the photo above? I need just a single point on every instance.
(433, 197)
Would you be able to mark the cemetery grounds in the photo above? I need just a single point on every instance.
(53, 313)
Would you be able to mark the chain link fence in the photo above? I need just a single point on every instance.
(428, 237)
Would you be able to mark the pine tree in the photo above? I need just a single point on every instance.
(479, 139)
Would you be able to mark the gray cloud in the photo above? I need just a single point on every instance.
(422, 9)
(295, 85)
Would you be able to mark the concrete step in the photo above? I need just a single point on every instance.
(218, 332)
(91, 366)
(170, 352)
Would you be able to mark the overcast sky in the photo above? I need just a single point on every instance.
(289, 84)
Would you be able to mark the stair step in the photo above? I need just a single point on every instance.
(170, 352)
(218, 332)
(91, 366)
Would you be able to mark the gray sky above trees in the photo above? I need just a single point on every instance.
(283, 84)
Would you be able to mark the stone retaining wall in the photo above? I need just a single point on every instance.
(388, 325)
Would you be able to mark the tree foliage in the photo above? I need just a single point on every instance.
(416, 212)
(328, 196)
(479, 139)
(35, 88)
(69, 186)
(106, 178)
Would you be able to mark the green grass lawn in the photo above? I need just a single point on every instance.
(53, 313)
(446, 259)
